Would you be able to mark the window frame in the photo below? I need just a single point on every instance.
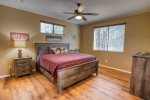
(53, 24)
(108, 37)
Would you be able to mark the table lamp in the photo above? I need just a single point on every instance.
(19, 44)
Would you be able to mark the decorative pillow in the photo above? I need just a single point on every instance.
(56, 50)
(62, 50)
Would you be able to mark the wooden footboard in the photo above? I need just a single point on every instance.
(71, 75)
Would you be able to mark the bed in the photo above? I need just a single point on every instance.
(64, 69)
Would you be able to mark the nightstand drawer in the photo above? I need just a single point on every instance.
(23, 61)
(25, 64)
(20, 68)
(23, 72)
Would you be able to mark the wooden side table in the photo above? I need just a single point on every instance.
(22, 66)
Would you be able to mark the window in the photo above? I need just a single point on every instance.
(58, 29)
(46, 28)
(51, 28)
(109, 38)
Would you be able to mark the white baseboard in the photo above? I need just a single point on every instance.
(116, 69)
(3, 76)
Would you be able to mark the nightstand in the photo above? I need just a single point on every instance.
(22, 66)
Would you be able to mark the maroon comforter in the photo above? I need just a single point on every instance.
(54, 62)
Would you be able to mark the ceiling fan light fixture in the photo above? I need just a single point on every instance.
(78, 17)
(19, 1)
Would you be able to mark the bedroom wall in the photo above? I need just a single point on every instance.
(137, 38)
(13, 20)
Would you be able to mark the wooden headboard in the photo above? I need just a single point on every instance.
(51, 45)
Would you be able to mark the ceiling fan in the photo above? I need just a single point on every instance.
(79, 13)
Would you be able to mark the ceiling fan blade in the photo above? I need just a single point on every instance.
(71, 17)
(84, 18)
(68, 13)
(79, 13)
(95, 14)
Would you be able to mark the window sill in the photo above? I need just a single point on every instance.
(109, 51)
(54, 34)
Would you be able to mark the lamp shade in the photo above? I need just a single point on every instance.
(19, 44)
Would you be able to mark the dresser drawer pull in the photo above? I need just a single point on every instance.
(23, 62)
(24, 67)
(23, 70)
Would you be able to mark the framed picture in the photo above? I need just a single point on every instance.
(19, 36)
(53, 38)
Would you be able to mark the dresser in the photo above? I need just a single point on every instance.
(75, 50)
(140, 77)
(22, 66)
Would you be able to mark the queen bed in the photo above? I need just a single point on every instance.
(64, 69)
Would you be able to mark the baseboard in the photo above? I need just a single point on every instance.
(116, 69)
(3, 76)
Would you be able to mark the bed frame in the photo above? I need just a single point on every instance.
(71, 75)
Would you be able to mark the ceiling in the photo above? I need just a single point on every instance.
(107, 9)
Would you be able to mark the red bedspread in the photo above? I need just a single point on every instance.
(54, 62)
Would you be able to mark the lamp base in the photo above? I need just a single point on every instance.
(19, 53)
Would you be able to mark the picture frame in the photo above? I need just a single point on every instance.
(50, 38)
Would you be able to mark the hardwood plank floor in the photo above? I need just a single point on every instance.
(105, 86)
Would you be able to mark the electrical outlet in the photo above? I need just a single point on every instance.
(106, 61)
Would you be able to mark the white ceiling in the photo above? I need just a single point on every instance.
(107, 9)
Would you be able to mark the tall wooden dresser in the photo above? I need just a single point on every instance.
(140, 76)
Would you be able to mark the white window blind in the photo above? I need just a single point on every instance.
(109, 38)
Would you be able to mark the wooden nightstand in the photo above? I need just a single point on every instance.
(22, 66)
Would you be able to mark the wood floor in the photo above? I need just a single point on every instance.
(106, 86)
